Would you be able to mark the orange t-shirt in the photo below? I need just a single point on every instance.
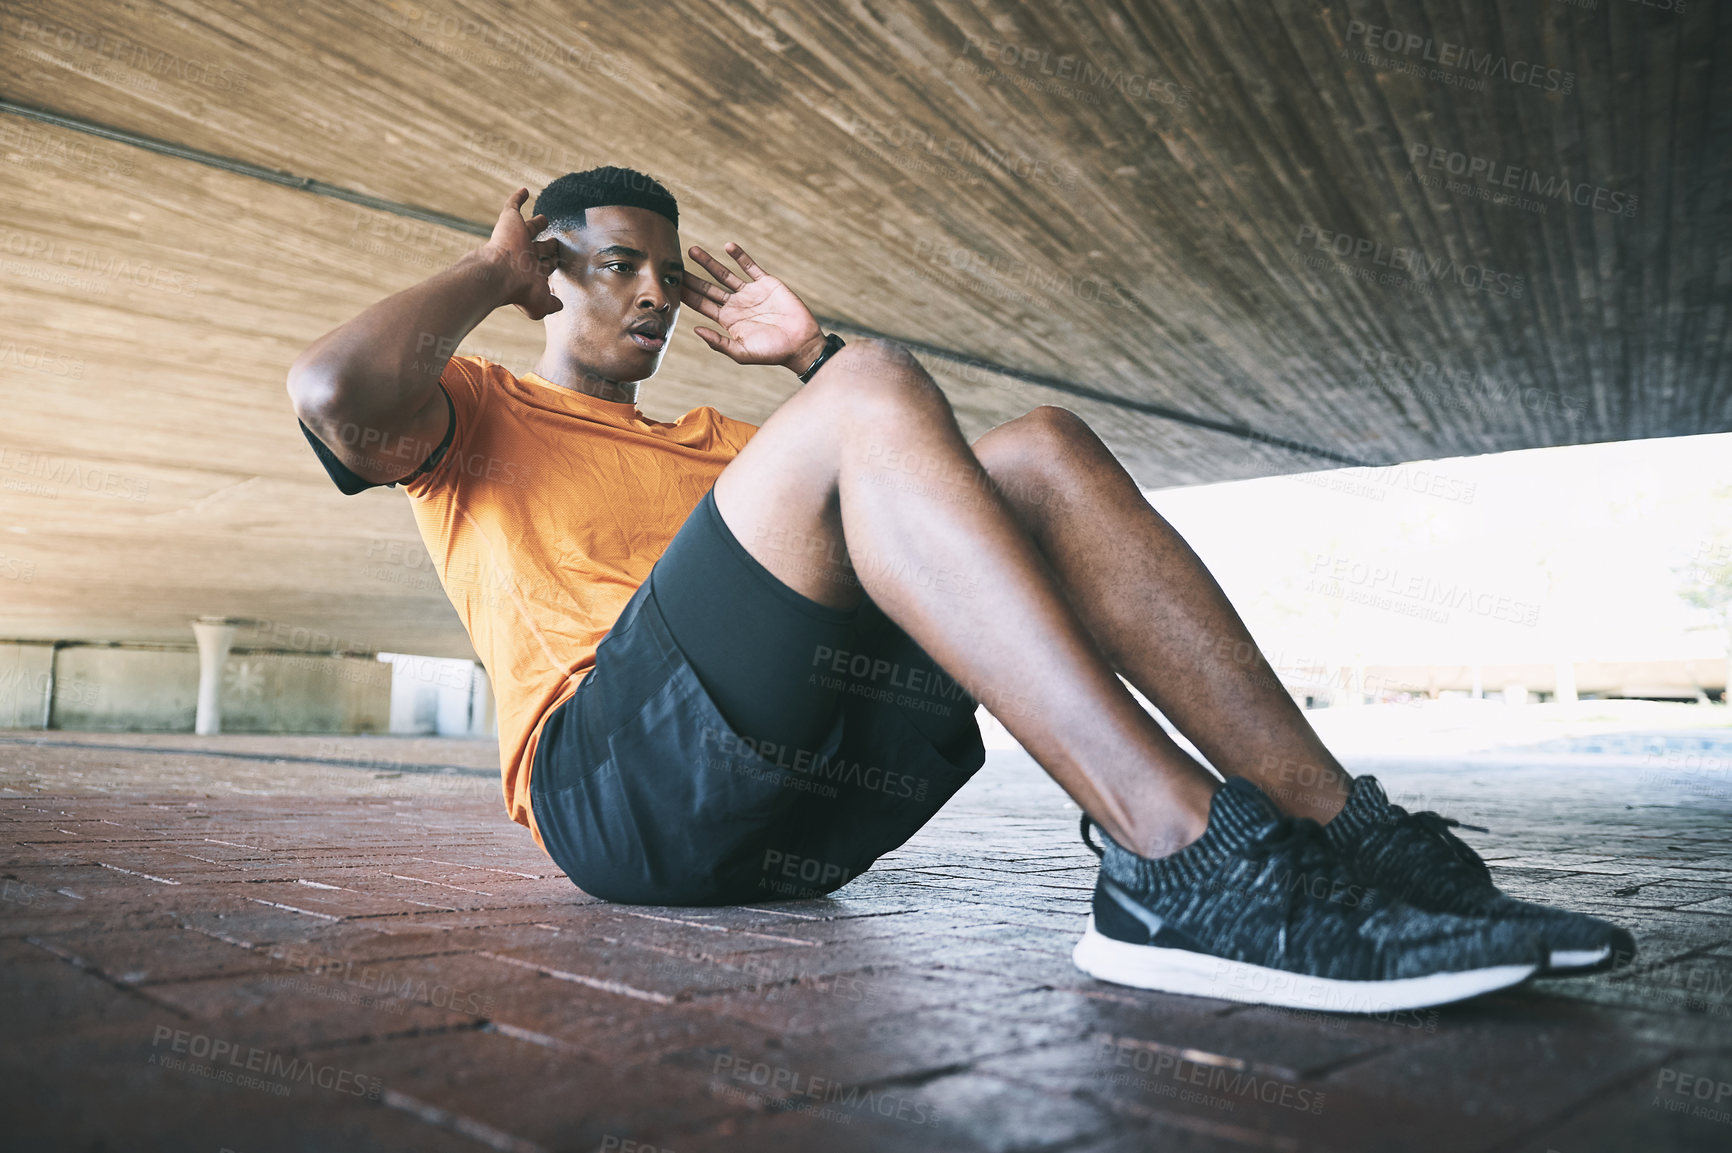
(542, 519)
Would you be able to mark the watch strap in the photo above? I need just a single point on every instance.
(832, 344)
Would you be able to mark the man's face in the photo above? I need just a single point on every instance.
(619, 279)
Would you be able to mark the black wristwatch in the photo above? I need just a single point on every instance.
(831, 344)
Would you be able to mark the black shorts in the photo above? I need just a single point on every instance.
(842, 738)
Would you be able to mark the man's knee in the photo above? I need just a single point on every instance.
(1049, 426)
(1040, 439)
(878, 380)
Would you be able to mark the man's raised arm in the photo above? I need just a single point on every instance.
(369, 388)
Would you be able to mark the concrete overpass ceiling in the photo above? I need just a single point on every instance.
(1417, 231)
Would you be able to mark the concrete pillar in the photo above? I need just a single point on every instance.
(48, 689)
(480, 703)
(1565, 689)
(1355, 678)
(1478, 692)
(215, 635)
(1726, 689)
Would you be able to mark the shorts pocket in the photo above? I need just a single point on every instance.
(884, 786)
(680, 811)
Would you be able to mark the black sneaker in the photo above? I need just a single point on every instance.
(1261, 909)
(1416, 859)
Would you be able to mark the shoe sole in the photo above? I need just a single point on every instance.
(1200, 975)
(1576, 962)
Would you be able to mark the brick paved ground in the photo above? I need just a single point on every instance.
(403, 971)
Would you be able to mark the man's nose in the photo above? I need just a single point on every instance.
(655, 296)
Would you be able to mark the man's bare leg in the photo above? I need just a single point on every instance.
(1157, 614)
(867, 464)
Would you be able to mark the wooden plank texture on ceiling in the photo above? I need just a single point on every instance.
(1397, 231)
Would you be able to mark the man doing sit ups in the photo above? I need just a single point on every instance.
(734, 663)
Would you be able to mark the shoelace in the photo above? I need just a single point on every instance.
(1303, 841)
(1439, 826)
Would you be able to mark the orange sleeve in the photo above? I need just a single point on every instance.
(465, 382)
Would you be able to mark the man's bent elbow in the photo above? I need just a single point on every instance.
(314, 394)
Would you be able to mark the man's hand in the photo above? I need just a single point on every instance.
(764, 322)
(524, 261)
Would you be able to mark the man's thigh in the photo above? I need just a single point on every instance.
(752, 642)
(779, 499)
(780, 496)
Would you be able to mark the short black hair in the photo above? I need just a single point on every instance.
(565, 201)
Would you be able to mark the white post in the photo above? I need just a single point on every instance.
(1356, 681)
(1565, 690)
(215, 635)
(480, 703)
(1725, 689)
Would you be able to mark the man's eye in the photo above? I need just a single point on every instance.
(620, 265)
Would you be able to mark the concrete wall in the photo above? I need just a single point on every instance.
(292, 693)
(142, 690)
(452, 698)
(23, 684)
(155, 689)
